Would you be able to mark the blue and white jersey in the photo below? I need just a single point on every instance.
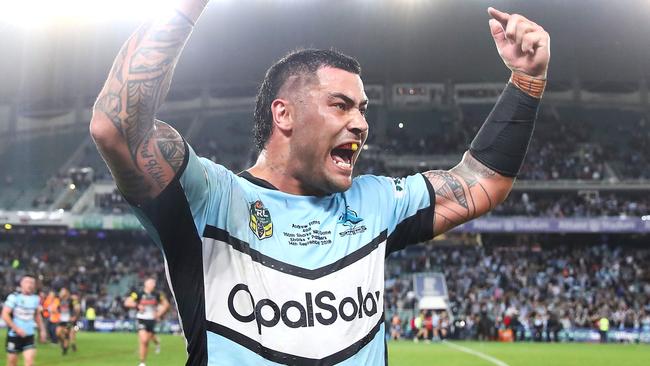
(23, 312)
(262, 277)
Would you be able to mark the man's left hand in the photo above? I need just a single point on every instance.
(523, 45)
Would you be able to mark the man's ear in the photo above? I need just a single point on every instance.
(282, 118)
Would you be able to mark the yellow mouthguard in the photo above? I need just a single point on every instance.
(355, 147)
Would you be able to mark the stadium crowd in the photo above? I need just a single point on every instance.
(559, 205)
(528, 289)
(90, 269)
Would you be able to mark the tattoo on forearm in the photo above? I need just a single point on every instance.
(140, 113)
(136, 87)
(460, 193)
(111, 105)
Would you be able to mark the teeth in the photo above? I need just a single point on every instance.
(355, 147)
(342, 164)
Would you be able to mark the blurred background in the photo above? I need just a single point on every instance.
(568, 248)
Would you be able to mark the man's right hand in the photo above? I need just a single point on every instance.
(20, 332)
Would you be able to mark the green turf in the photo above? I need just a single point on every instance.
(520, 354)
(114, 349)
(110, 349)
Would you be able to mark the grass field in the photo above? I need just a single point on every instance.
(115, 349)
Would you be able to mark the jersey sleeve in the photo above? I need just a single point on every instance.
(11, 301)
(196, 190)
(409, 210)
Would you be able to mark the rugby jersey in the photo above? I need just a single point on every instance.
(149, 302)
(23, 312)
(263, 277)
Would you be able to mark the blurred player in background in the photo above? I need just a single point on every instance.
(67, 309)
(50, 325)
(22, 314)
(273, 265)
(76, 316)
(151, 306)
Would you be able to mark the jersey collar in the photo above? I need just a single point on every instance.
(257, 181)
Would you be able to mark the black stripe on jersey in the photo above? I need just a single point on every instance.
(311, 274)
(170, 215)
(289, 359)
(414, 229)
(257, 181)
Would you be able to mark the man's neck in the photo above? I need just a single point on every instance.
(277, 174)
(277, 178)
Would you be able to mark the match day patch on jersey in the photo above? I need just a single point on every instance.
(399, 186)
(260, 220)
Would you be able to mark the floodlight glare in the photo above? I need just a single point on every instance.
(46, 12)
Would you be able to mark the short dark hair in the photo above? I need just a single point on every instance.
(296, 63)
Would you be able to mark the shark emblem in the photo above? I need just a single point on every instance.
(349, 217)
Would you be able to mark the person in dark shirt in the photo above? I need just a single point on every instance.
(151, 306)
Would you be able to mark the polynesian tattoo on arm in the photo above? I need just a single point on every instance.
(134, 91)
(464, 192)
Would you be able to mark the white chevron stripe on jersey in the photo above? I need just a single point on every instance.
(288, 313)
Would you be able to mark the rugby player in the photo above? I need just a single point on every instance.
(67, 310)
(151, 307)
(21, 313)
(284, 262)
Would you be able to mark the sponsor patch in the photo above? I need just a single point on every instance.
(322, 308)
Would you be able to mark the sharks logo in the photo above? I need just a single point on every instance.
(260, 220)
(350, 219)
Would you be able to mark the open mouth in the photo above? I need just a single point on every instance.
(342, 155)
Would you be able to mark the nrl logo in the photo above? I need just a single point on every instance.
(260, 220)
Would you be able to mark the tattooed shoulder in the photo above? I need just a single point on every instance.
(171, 145)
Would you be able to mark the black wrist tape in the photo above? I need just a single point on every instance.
(502, 141)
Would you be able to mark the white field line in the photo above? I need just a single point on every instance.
(491, 359)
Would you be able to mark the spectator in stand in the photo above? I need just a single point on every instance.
(395, 327)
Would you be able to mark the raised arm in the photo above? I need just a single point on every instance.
(487, 171)
(143, 153)
(468, 190)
